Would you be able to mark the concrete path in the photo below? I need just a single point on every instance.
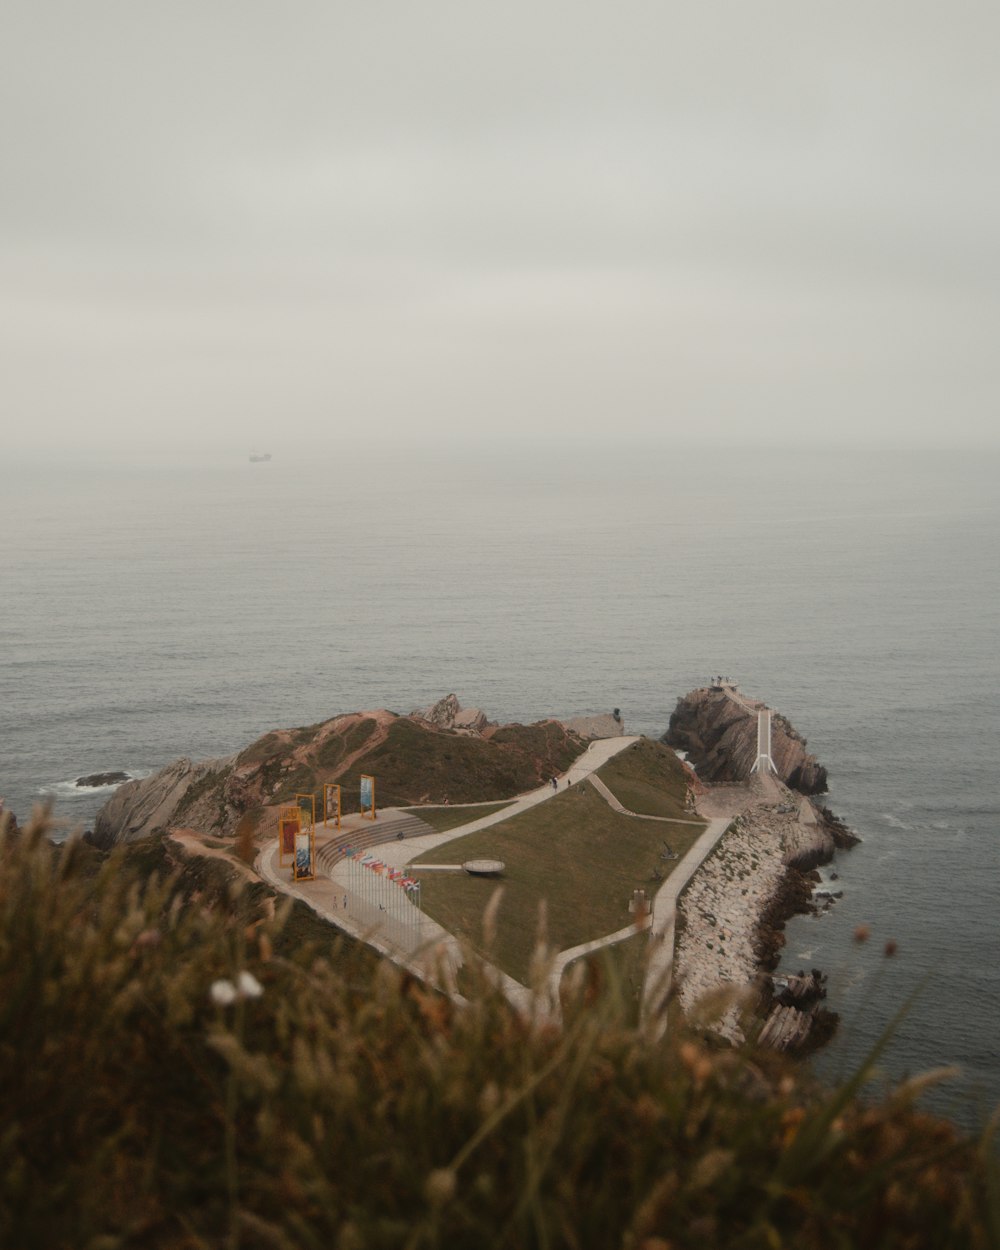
(663, 923)
(615, 805)
(405, 935)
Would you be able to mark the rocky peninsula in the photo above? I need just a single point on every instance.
(733, 913)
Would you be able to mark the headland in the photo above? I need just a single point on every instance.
(590, 824)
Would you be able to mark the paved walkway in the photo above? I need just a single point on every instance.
(615, 805)
(663, 924)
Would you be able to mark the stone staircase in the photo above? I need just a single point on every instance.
(389, 826)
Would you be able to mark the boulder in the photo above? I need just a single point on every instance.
(93, 780)
(448, 713)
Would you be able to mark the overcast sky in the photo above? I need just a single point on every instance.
(251, 221)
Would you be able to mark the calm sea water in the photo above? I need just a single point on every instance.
(156, 610)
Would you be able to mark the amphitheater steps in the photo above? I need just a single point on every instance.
(389, 827)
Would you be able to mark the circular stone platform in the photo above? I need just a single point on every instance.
(484, 867)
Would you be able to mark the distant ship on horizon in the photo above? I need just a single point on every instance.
(256, 457)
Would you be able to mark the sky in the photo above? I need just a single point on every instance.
(263, 225)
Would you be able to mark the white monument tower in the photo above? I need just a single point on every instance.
(764, 763)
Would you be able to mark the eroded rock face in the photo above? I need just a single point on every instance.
(448, 713)
(719, 735)
(138, 807)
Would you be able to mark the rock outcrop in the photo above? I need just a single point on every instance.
(735, 911)
(96, 780)
(604, 725)
(448, 713)
(717, 728)
(138, 807)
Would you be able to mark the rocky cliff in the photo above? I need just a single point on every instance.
(717, 728)
(439, 756)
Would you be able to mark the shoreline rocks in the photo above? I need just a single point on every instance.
(733, 916)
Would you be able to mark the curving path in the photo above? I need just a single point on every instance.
(616, 806)
(663, 925)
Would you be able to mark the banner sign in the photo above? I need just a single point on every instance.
(368, 796)
(289, 824)
(302, 868)
(331, 803)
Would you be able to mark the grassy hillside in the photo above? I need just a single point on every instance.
(340, 1105)
(417, 764)
(648, 778)
(412, 762)
(444, 818)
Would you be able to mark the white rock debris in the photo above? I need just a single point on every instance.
(721, 910)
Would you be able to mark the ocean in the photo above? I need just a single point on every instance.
(185, 606)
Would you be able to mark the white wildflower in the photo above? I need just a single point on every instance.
(223, 993)
(249, 986)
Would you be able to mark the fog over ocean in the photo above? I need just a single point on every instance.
(163, 609)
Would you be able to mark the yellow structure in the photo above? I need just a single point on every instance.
(367, 796)
(331, 803)
(289, 826)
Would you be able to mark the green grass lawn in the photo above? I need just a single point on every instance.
(648, 778)
(574, 852)
(445, 818)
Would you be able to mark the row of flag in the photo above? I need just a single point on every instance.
(382, 869)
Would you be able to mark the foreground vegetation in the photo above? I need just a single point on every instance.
(176, 1072)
